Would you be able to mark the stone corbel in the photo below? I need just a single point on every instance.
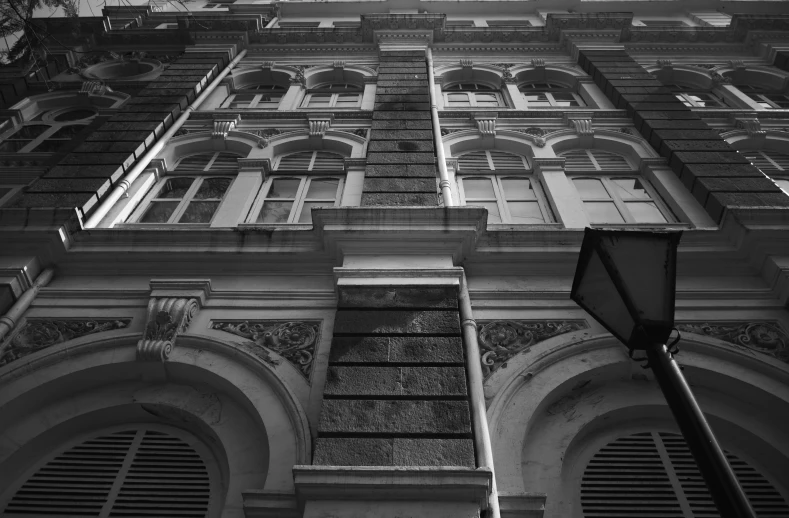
(486, 123)
(222, 127)
(467, 68)
(94, 88)
(582, 124)
(664, 63)
(452, 164)
(254, 165)
(172, 306)
(538, 63)
(319, 124)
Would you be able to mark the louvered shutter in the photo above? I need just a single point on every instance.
(221, 162)
(476, 161)
(482, 160)
(296, 162)
(507, 161)
(577, 160)
(325, 161)
(610, 161)
(653, 474)
(594, 160)
(131, 473)
(303, 161)
(769, 161)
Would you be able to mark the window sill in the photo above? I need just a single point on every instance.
(662, 226)
(275, 226)
(522, 227)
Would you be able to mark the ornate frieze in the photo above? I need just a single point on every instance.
(500, 340)
(166, 318)
(294, 341)
(35, 335)
(764, 337)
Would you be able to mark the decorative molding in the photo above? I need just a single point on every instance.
(486, 123)
(255, 165)
(94, 88)
(294, 341)
(299, 78)
(319, 124)
(500, 340)
(583, 127)
(222, 127)
(664, 63)
(538, 63)
(751, 125)
(35, 335)
(763, 337)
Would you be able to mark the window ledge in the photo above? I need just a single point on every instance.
(522, 227)
(275, 227)
(659, 226)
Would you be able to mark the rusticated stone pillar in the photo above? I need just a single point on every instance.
(400, 158)
(718, 176)
(396, 391)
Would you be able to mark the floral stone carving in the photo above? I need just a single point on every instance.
(764, 337)
(167, 317)
(500, 340)
(35, 335)
(294, 341)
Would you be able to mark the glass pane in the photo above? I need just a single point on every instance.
(537, 99)
(704, 100)
(48, 146)
(478, 188)
(565, 100)
(68, 131)
(306, 212)
(275, 212)
(628, 188)
(175, 188)
(525, 212)
(199, 212)
(645, 212)
(458, 100)
(517, 189)
(347, 99)
(590, 188)
(212, 188)
(11, 146)
(30, 132)
(242, 100)
(75, 115)
(323, 188)
(602, 212)
(284, 188)
(159, 212)
(684, 101)
(319, 100)
(493, 210)
(487, 100)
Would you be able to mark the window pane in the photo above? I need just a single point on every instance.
(68, 131)
(242, 100)
(780, 101)
(199, 212)
(537, 99)
(29, 132)
(487, 100)
(320, 100)
(11, 146)
(75, 115)
(590, 188)
(306, 212)
(478, 188)
(159, 212)
(684, 101)
(525, 212)
(493, 209)
(323, 188)
(175, 188)
(517, 189)
(704, 100)
(347, 100)
(645, 212)
(49, 145)
(213, 188)
(458, 100)
(275, 212)
(284, 188)
(602, 212)
(561, 99)
(629, 188)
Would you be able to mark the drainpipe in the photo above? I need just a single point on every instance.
(446, 194)
(479, 416)
(141, 164)
(9, 320)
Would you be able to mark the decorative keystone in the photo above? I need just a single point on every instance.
(583, 127)
(169, 316)
(339, 64)
(466, 63)
(486, 126)
(538, 63)
(222, 127)
(94, 88)
(737, 64)
(664, 63)
(267, 65)
(319, 124)
(752, 126)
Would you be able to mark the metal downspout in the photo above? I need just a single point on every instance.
(446, 193)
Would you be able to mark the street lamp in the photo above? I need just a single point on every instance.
(626, 280)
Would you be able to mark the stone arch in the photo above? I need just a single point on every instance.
(341, 142)
(567, 76)
(485, 74)
(557, 402)
(351, 74)
(634, 148)
(275, 75)
(510, 141)
(124, 70)
(234, 402)
(684, 75)
(238, 142)
(35, 104)
(772, 140)
(769, 78)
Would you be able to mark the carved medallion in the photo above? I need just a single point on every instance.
(294, 341)
(764, 337)
(500, 340)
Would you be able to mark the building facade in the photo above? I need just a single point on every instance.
(313, 259)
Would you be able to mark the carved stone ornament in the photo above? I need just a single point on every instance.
(94, 88)
(222, 128)
(663, 63)
(166, 318)
(752, 126)
(299, 77)
(294, 341)
(319, 126)
(486, 126)
(583, 126)
(35, 335)
(500, 340)
(538, 63)
(764, 337)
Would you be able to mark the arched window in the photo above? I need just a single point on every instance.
(468, 95)
(767, 96)
(544, 94)
(316, 181)
(334, 95)
(502, 183)
(695, 97)
(49, 130)
(143, 470)
(255, 96)
(773, 164)
(191, 193)
(609, 194)
(654, 474)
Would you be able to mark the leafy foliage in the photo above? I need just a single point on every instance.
(30, 40)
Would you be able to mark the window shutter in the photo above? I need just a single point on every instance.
(594, 160)
(507, 161)
(476, 161)
(577, 160)
(325, 161)
(768, 161)
(652, 474)
(132, 473)
(502, 162)
(610, 161)
(221, 162)
(296, 162)
(303, 161)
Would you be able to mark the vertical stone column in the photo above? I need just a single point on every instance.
(401, 167)
(396, 391)
(717, 175)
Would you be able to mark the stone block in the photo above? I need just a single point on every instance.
(402, 99)
(111, 172)
(717, 202)
(401, 134)
(400, 158)
(384, 76)
(63, 185)
(400, 185)
(680, 134)
(353, 451)
(402, 106)
(433, 452)
(395, 381)
(384, 115)
(375, 199)
(394, 417)
(405, 82)
(398, 146)
(644, 115)
(634, 82)
(648, 98)
(693, 171)
(97, 159)
(114, 136)
(388, 69)
(80, 200)
(396, 349)
(650, 125)
(400, 90)
(421, 297)
(399, 171)
(669, 146)
(361, 322)
(669, 107)
(682, 158)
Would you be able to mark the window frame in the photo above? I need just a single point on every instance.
(256, 98)
(759, 95)
(684, 97)
(334, 92)
(299, 198)
(500, 199)
(621, 204)
(48, 118)
(471, 95)
(549, 91)
(12, 190)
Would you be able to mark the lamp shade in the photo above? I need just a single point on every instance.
(626, 280)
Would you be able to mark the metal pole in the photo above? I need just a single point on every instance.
(443, 175)
(722, 483)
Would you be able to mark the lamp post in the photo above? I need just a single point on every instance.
(626, 280)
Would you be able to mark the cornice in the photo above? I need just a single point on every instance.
(261, 115)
